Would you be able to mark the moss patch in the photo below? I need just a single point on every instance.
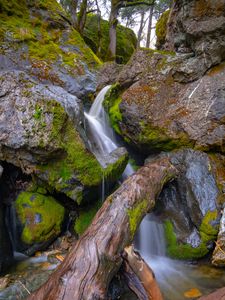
(157, 138)
(178, 250)
(40, 215)
(85, 217)
(112, 105)
(135, 215)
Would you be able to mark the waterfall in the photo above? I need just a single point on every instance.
(104, 140)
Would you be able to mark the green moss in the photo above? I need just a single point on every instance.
(46, 44)
(41, 217)
(85, 217)
(161, 29)
(114, 171)
(207, 226)
(136, 214)
(77, 163)
(157, 138)
(126, 39)
(185, 251)
(112, 104)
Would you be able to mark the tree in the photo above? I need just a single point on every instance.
(116, 5)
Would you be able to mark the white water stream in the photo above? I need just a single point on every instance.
(174, 277)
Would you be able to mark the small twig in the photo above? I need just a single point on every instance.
(24, 287)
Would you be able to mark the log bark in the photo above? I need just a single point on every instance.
(217, 295)
(139, 276)
(90, 266)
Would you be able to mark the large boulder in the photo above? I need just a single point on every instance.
(36, 38)
(154, 110)
(190, 205)
(198, 26)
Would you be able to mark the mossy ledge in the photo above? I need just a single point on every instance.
(77, 165)
(207, 232)
(112, 105)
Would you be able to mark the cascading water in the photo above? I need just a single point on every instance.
(174, 277)
(104, 140)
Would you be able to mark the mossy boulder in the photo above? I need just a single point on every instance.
(42, 136)
(126, 39)
(40, 217)
(154, 108)
(190, 205)
(161, 29)
(45, 45)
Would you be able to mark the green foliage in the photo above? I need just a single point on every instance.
(161, 29)
(126, 39)
(85, 217)
(40, 215)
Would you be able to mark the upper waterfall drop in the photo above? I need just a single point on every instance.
(104, 140)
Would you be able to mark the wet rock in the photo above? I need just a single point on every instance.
(39, 218)
(218, 258)
(108, 74)
(158, 111)
(198, 25)
(191, 205)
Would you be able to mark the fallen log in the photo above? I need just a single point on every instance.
(217, 295)
(90, 266)
(139, 276)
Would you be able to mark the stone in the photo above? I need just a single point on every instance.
(218, 257)
(198, 25)
(190, 205)
(194, 114)
(39, 218)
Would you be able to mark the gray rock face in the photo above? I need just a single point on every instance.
(160, 112)
(191, 203)
(218, 258)
(199, 26)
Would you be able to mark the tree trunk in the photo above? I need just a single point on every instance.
(141, 29)
(99, 28)
(150, 26)
(82, 16)
(112, 31)
(90, 266)
(74, 12)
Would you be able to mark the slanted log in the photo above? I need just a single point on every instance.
(90, 266)
(217, 295)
